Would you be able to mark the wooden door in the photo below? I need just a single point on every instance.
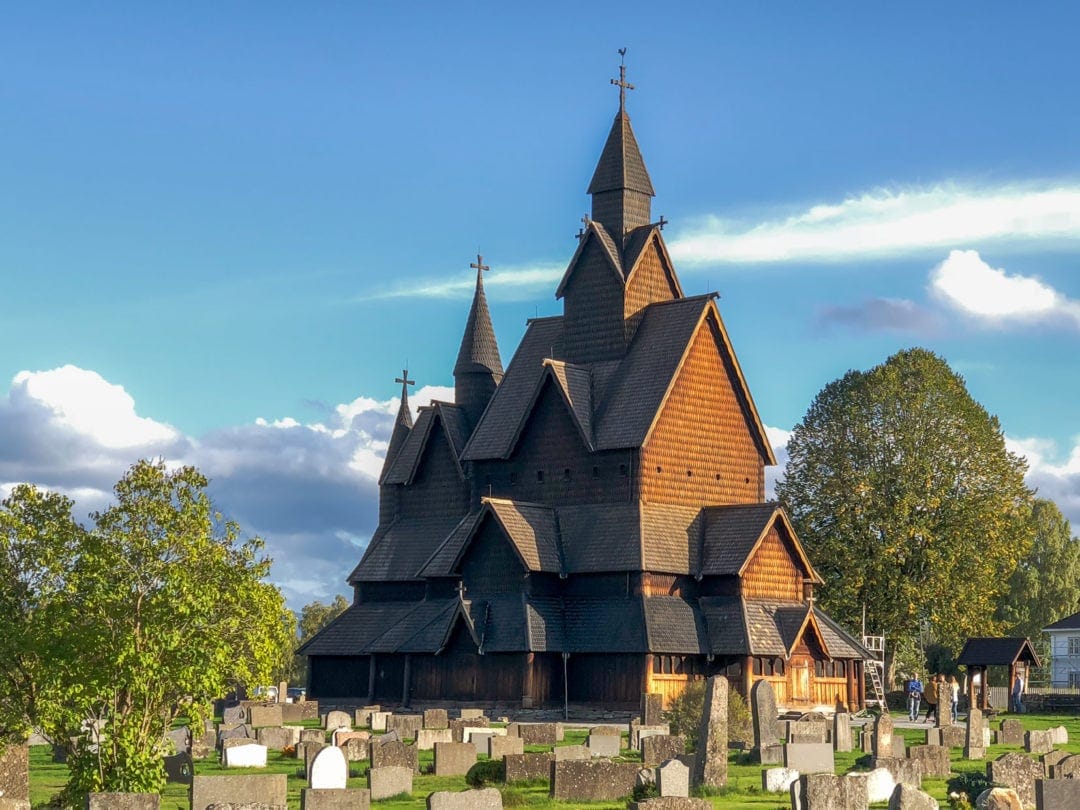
(800, 680)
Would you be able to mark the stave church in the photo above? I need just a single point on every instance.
(588, 523)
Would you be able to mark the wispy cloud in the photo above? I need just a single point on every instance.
(889, 222)
(507, 283)
(880, 315)
(968, 284)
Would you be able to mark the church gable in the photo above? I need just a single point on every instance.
(592, 305)
(490, 564)
(774, 570)
(650, 278)
(436, 484)
(704, 446)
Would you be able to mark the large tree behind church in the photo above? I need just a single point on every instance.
(901, 487)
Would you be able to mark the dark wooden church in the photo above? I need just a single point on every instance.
(589, 523)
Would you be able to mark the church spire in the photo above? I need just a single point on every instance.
(478, 370)
(402, 424)
(621, 189)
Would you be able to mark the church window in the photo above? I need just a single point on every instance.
(622, 470)
(566, 475)
(595, 472)
(513, 478)
(778, 666)
(659, 469)
(757, 666)
(718, 476)
(1074, 645)
(540, 476)
(819, 668)
(689, 473)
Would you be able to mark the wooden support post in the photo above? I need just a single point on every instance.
(646, 678)
(371, 679)
(405, 681)
(748, 676)
(854, 699)
(528, 680)
(971, 685)
(985, 688)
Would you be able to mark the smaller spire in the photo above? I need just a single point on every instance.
(404, 413)
(402, 424)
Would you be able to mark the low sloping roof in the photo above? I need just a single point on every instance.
(401, 549)
(544, 620)
(839, 642)
(605, 625)
(601, 537)
(1068, 623)
(997, 652)
(422, 630)
(500, 622)
(725, 625)
(771, 625)
(355, 629)
(733, 533)
(576, 385)
(671, 538)
(674, 625)
(441, 562)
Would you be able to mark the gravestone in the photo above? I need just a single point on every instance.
(1012, 732)
(943, 715)
(15, 774)
(899, 746)
(882, 738)
(638, 733)
(340, 736)
(763, 720)
(356, 749)
(934, 759)
(808, 731)
(809, 757)
(1066, 768)
(269, 715)
(973, 741)
(661, 747)
(565, 752)
(603, 745)
(527, 767)
(652, 708)
(539, 733)
(1057, 794)
(866, 740)
(406, 725)
(390, 736)
(593, 780)
(670, 803)
(243, 754)
(1051, 759)
(778, 780)
(389, 780)
(480, 741)
(202, 745)
(117, 801)
(348, 799)
(880, 785)
(292, 712)
(953, 736)
(841, 732)
(1019, 773)
(233, 714)
(499, 747)
(378, 721)
(454, 759)
(180, 739)
(1038, 741)
(471, 714)
(710, 768)
(1060, 735)
(427, 737)
(329, 770)
(904, 771)
(337, 719)
(312, 735)
(673, 779)
(436, 718)
(277, 738)
(906, 797)
(468, 733)
(270, 789)
(362, 716)
(999, 798)
(394, 754)
(240, 732)
(826, 791)
(179, 768)
(482, 799)
(303, 749)
(609, 731)
(310, 751)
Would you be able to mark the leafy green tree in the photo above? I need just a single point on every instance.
(901, 488)
(161, 605)
(1045, 586)
(314, 616)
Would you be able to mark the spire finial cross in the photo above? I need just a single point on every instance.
(623, 84)
(404, 379)
(479, 265)
(585, 221)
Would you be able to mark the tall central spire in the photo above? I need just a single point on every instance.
(621, 189)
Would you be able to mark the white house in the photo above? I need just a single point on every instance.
(1065, 651)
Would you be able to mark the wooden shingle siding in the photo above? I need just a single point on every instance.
(771, 572)
(593, 310)
(649, 284)
(490, 564)
(701, 449)
(437, 487)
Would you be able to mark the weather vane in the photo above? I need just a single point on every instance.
(623, 84)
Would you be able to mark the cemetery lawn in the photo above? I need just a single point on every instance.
(742, 793)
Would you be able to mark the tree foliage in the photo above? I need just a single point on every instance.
(901, 487)
(160, 606)
(1045, 586)
(314, 616)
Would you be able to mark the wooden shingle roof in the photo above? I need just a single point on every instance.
(397, 551)
(675, 625)
(479, 350)
(725, 625)
(575, 383)
(733, 533)
(402, 426)
(997, 652)
(601, 537)
(611, 625)
(671, 538)
(621, 165)
(438, 415)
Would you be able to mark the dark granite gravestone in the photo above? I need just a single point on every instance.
(711, 764)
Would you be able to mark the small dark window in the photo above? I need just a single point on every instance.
(540, 476)
(748, 480)
(566, 475)
(718, 476)
(595, 472)
(779, 666)
(657, 659)
(513, 478)
(757, 666)
(689, 473)
(622, 470)
(659, 470)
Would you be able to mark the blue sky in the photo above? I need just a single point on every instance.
(224, 228)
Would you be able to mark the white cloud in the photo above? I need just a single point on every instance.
(889, 222)
(778, 439)
(967, 283)
(505, 283)
(1059, 481)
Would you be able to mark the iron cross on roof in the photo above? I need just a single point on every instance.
(623, 84)
(479, 265)
(404, 378)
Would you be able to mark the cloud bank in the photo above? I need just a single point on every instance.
(310, 490)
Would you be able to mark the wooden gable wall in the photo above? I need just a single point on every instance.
(701, 450)
(437, 488)
(490, 564)
(772, 572)
(549, 445)
(649, 285)
(593, 309)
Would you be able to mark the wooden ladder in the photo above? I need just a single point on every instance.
(875, 669)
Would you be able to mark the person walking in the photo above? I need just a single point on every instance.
(1017, 693)
(914, 694)
(954, 688)
(932, 697)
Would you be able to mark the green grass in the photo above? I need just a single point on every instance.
(743, 791)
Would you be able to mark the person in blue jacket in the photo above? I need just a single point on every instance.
(914, 696)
